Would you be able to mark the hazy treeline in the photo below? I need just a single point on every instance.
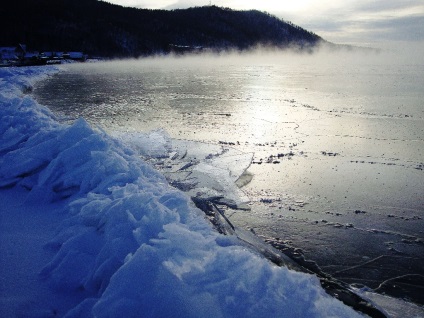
(104, 29)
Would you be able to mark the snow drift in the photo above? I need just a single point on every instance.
(129, 243)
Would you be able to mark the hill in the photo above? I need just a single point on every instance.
(101, 28)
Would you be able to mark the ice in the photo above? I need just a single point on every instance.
(202, 170)
(155, 144)
(392, 307)
(129, 244)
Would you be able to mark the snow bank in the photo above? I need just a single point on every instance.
(130, 243)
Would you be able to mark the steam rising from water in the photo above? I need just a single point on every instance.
(398, 53)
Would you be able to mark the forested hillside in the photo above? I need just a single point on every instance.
(100, 28)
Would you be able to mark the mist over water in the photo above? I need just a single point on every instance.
(337, 139)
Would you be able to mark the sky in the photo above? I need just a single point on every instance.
(357, 22)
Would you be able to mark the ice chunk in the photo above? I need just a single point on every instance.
(155, 144)
(200, 169)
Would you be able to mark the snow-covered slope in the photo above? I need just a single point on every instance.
(126, 243)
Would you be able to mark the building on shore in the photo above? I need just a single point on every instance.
(20, 56)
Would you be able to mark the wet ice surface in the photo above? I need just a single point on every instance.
(337, 151)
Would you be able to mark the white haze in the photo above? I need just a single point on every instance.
(401, 53)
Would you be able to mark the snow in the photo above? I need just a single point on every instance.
(90, 229)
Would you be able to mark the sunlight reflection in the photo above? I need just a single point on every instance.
(261, 111)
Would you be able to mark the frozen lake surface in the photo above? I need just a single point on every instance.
(89, 229)
(336, 144)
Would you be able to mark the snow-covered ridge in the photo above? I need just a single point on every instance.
(130, 244)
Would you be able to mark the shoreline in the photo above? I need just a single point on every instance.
(121, 221)
(319, 219)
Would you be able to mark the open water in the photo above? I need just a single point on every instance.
(337, 142)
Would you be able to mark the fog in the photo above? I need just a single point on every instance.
(400, 53)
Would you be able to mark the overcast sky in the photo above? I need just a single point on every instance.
(365, 22)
